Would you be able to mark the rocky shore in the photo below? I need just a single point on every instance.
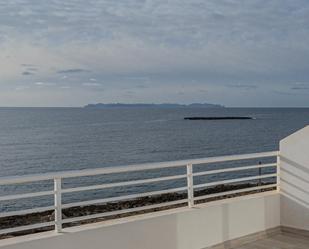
(48, 216)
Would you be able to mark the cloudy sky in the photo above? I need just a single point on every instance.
(231, 52)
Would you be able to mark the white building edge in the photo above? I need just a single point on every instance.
(224, 223)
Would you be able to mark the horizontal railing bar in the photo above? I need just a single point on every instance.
(235, 192)
(130, 168)
(130, 210)
(27, 195)
(26, 211)
(259, 166)
(122, 184)
(242, 179)
(25, 228)
(122, 198)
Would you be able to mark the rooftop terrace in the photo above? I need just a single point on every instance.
(284, 240)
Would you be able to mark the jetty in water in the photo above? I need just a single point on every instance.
(216, 118)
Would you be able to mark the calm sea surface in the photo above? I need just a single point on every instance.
(35, 140)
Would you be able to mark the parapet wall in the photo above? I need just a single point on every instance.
(194, 228)
(294, 165)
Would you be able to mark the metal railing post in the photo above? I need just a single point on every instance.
(58, 203)
(278, 172)
(190, 185)
(260, 173)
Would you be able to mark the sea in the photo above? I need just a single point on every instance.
(41, 140)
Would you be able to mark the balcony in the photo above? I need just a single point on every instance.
(219, 202)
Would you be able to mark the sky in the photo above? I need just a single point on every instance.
(237, 53)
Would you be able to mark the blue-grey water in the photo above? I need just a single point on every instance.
(40, 140)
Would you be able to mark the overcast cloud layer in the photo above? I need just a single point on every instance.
(231, 52)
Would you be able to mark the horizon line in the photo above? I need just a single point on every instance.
(83, 107)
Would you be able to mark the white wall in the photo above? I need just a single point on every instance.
(188, 229)
(226, 221)
(294, 162)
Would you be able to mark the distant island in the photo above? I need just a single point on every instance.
(143, 105)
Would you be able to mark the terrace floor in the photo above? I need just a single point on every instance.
(280, 241)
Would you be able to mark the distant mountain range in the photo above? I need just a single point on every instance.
(142, 105)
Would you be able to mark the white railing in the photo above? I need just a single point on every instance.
(190, 188)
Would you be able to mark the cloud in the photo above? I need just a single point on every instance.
(300, 88)
(202, 91)
(28, 65)
(39, 83)
(32, 69)
(214, 39)
(43, 84)
(74, 70)
(142, 86)
(91, 84)
(137, 43)
(27, 73)
(242, 86)
(280, 92)
(21, 88)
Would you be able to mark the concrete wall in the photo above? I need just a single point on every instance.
(294, 162)
(186, 229)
